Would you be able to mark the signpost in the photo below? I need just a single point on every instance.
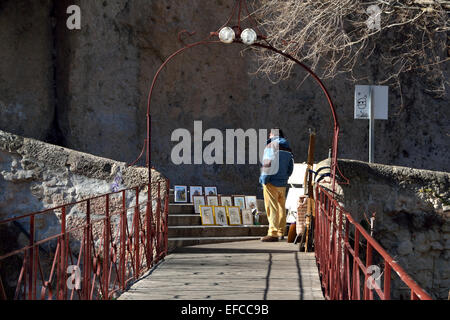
(371, 102)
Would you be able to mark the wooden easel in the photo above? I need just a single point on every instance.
(309, 191)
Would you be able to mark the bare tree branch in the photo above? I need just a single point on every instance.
(334, 36)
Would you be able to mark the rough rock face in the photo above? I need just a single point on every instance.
(27, 95)
(103, 73)
(412, 219)
(35, 176)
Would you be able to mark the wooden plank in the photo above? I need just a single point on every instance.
(232, 271)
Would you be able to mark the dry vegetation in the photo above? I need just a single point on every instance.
(333, 36)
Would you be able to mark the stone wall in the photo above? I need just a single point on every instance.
(35, 176)
(27, 95)
(412, 218)
(87, 90)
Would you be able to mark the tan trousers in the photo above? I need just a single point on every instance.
(275, 203)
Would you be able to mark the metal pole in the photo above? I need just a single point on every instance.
(31, 260)
(136, 236)
(87, 252)
(371, 127)
(123, 239)
(106, 248)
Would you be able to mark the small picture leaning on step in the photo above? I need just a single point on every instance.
(198, 201)
(180, 194)
(207, 215)
(247, 217)
(195, 191)
(234, 215)
(220, 214)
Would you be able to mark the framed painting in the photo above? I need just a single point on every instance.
(198, 201)
(212, 200)
(180, 193)
(250, 202)
(210, 191)
(234, 215)
(247, 217)
(226, 201)
(195, 191)
(239, 201)
(220, 215)
(207, 214)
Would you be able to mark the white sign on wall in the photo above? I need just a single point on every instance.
(379, 95)
(371, 103)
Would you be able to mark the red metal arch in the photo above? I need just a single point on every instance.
(147, 145)
(239, 9)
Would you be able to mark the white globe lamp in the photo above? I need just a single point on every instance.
(227, 35)
(249, 36)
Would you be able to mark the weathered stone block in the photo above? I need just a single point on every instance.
(445, 284)
(447, 244)
(421, 261)
(405, 247)
(421, 243)
(436, 245)
(433, 235)
(446, 227)
(26, 68)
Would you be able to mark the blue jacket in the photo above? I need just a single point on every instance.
(278, 162)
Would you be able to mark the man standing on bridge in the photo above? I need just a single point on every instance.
(277, 167)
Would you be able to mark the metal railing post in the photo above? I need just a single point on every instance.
(148, 228)
(347, 260)
(166, 216)
(87, 253)
(368, 293)
(123, 237)
(106, 248)
(136, 236)
(339, 275)
(31, 261)
(355, 275)
(63, 256)
(158, 222)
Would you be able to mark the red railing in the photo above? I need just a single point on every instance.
(104, 243)
(344, 250)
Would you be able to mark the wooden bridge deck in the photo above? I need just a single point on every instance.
(249, 270)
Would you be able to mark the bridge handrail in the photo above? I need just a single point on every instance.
(102, 267)
(333, 250)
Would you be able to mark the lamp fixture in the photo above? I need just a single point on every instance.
(249, 36)
(227, 35)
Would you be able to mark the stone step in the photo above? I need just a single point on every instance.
(217, 231)
(185, 220)
(181, 208)
(196, 220)
(192, 241)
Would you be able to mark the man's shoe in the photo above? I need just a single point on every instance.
(269, 239)
(281, 237)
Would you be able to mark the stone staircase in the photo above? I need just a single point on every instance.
(186, 229)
